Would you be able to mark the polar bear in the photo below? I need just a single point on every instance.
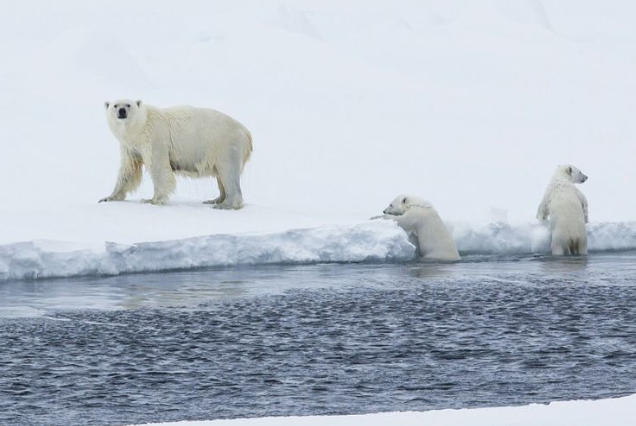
(193, 142)
(566, 206)
(424, 226)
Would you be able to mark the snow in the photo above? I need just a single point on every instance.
(370, 242)
(503, 238)
(615, 412)
(470, 104)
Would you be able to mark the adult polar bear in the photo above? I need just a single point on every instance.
(193, 142)
(566, 206)
(424, 227)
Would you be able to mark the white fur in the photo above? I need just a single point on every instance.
(424, 226)
(193, 142)
(566, 207)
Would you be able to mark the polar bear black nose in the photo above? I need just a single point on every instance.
(121, 113)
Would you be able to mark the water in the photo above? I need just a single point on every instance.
(321, 339)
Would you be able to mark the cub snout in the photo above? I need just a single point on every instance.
(121, 113)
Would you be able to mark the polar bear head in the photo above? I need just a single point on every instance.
(402, 203)
(124, 111)
(570, 173)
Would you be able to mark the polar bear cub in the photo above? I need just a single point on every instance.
(424, 226)
(566, 206)
(193, 142)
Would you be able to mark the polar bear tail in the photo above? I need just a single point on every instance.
(247, 153)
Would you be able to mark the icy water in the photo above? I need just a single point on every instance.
(321, 339)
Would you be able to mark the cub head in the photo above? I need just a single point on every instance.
(402, 203)
(123, 111)
(571, 174)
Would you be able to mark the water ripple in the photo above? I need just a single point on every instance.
(411, 344)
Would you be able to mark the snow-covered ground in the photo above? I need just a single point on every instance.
(615, 412)
(468, 103)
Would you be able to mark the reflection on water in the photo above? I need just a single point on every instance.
(191, 288)
(555, 265)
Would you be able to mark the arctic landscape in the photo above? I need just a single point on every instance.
(183, 312)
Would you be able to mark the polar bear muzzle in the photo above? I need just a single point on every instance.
(122, 113)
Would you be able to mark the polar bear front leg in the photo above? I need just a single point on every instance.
(162, 176)
(584, 205)
(385, 216)
(128, 177)
(542, 210)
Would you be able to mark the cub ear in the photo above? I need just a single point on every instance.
(404, 200)
(106, 105)
(138, 104)
(569, 170)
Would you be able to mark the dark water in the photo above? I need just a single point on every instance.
(324, 339)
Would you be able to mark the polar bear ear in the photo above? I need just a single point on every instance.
(106, 105)
(569, 170)
(138, 104)
(404, 200)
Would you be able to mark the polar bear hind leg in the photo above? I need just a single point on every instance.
(221, 197)
(569, 246)
(579, 247)
(229, 177)
(583, 246)
(557, 249)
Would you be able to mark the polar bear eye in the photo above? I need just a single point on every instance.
(127, 105)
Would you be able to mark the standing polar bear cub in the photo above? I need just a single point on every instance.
(424, 226)
(566, 206)
(193, 142)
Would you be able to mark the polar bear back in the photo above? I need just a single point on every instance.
(567, 216)
(565, 204)
(198, 137)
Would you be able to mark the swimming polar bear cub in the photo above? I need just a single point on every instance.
(566, 206)
(424, 226)
(193, 142)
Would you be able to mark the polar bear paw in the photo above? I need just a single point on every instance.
(111, 198)
(217, 200)
(155, 201)
(227, 206)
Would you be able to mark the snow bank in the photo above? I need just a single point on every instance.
(376, 241)
(367, 242)
(615, 412)
(503, 238)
